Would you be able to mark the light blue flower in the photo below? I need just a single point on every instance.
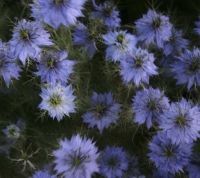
(57, 12)
(76, 158)
(27, 40)
(119, 43)
(58, 101)
(137, 67)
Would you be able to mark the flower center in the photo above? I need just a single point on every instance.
(77, 159)
(24, 34)
(152, 105)
(138, 62)
(55, 100)
(58, 2)
(168, 152)
(156, 23)
(181, 121)
(112, 162)
(51, 63)
(100, 109)
(120, 38)
(195, 65)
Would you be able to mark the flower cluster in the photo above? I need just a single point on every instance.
(137, 99)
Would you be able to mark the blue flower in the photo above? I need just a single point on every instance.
(154, 28)
(108, 13)
(27, 40)
(57, 12)
(82, 37)
(119, 44)
(176, 43)
(104, 111)
(187, 68)
(9, 69)
(137, 67)
(76, 158)
(54, 67)
(193, 167)
(167, 156)
(58, 101)
(42, 174)
(113, 162)
(148, 105)
(181, 122)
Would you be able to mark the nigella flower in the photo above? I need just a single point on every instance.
(181, 122)
(194, 166)
(148, 105)
(187, 68)
(176, 43)
(197, 28)
(167, 156)
(42, 174)
(57, 12)
(137, 67)
(113, 162)
(76, 158)
(154, 28)
(104, 111)
(108, 13)
(27, 40)
(119, 44)
(82, 37)
(54, 67)
(58, 101)
(9, 69)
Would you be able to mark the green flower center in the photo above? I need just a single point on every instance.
(168, 152)
(24, 34)
(77, 159)
(51, 63)
(138, 62)
(181, 121)
(152, 105)
(120, 38)
(55, 100)
(194, 66)
(58, 2)
(156, 23)
(112, 162)
(100, 109)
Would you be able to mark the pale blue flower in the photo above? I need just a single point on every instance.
(76, 158)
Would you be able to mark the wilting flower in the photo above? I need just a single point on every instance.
(76, 158)
(58, 101)
(181, 122)
(54, 67)
(176, 43)
(167, 156)
(42, 174)
(187, 68)
(137, 67)
(148, 105)
(82, 37)
(57, 12)
(104, 111)
(9, 69)
(113, 162)
(108, 13)
(119, 44)
(154, 28)
(27, 40)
